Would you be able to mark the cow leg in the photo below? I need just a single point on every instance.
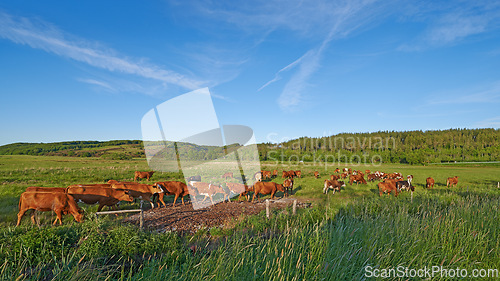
(59, 217)
(160, 199)
(175, 200)
(20, 216)
(182, 199)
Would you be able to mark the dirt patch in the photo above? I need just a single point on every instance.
(184, 219)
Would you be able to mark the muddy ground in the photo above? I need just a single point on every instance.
(185, 220)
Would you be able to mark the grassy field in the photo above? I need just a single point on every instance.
(334, 240)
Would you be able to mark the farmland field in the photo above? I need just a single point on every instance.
(336, 239)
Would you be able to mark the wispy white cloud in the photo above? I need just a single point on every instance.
(102, 84)
(39, 34)
(482, 94)
(452, 23)
(489, 123)
(345, 19)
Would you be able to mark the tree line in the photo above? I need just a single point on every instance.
(407, 147)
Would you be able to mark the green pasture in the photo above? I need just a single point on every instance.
(335, 240)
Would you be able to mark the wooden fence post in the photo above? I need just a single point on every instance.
(294, 210)
(141, 218)
(267, 208)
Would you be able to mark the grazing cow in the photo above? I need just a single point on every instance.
(258, 176)
(349, 171)
(367, 172)
(238, 188)
(334, 177)
(266, 174)
(284, 175)
(194, 178)
(288, 185)
(334, 185)
(343, 175)
(357, 178)
(291, 174)
(143, 175)
(97, 194)
(59, 202)
(337, 170)
(275, 173)
(227, 175)
(429, 182)
(175, 188)
(371, 177)
(316, 174)
(298, 173)
(137, 190)
(208, 190)
(452, 181)
(266, 188)
(387, 187)
(405, 185)
(46, 189)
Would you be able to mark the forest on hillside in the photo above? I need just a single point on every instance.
(408, 147)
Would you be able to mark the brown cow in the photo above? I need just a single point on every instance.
(316, 174)
(334, 185)
(334, 177)
(99, 194)
(343, 175)
(137, 190)
(372, 177)
(143, 175)
(227, 175)
(452, 181)
(266, 174)
(60, 203)
(337, 170)
(175, 188)
(429, 182)
(45, 189)
(367, 172)
(208, 190)
(288, 185)
(275, 173)
(298, 173)
(387, 187)
(266, 188)
(357, 178)
(239, 188)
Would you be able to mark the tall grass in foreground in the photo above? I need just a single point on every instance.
(452, 230)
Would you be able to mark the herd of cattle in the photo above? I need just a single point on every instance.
(388, 181)
(64, 200)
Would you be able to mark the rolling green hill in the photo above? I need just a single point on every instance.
(409, 147)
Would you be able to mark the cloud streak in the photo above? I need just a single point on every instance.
(487, 94)
(42, 35)
(342, 25)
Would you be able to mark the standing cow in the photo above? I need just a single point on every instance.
(143, 175)
(266, 188)
(59, 202)
(429, 182)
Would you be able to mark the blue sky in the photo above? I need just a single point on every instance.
(91, 70)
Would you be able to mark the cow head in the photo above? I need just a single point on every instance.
(280, 187)
(155, 189)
